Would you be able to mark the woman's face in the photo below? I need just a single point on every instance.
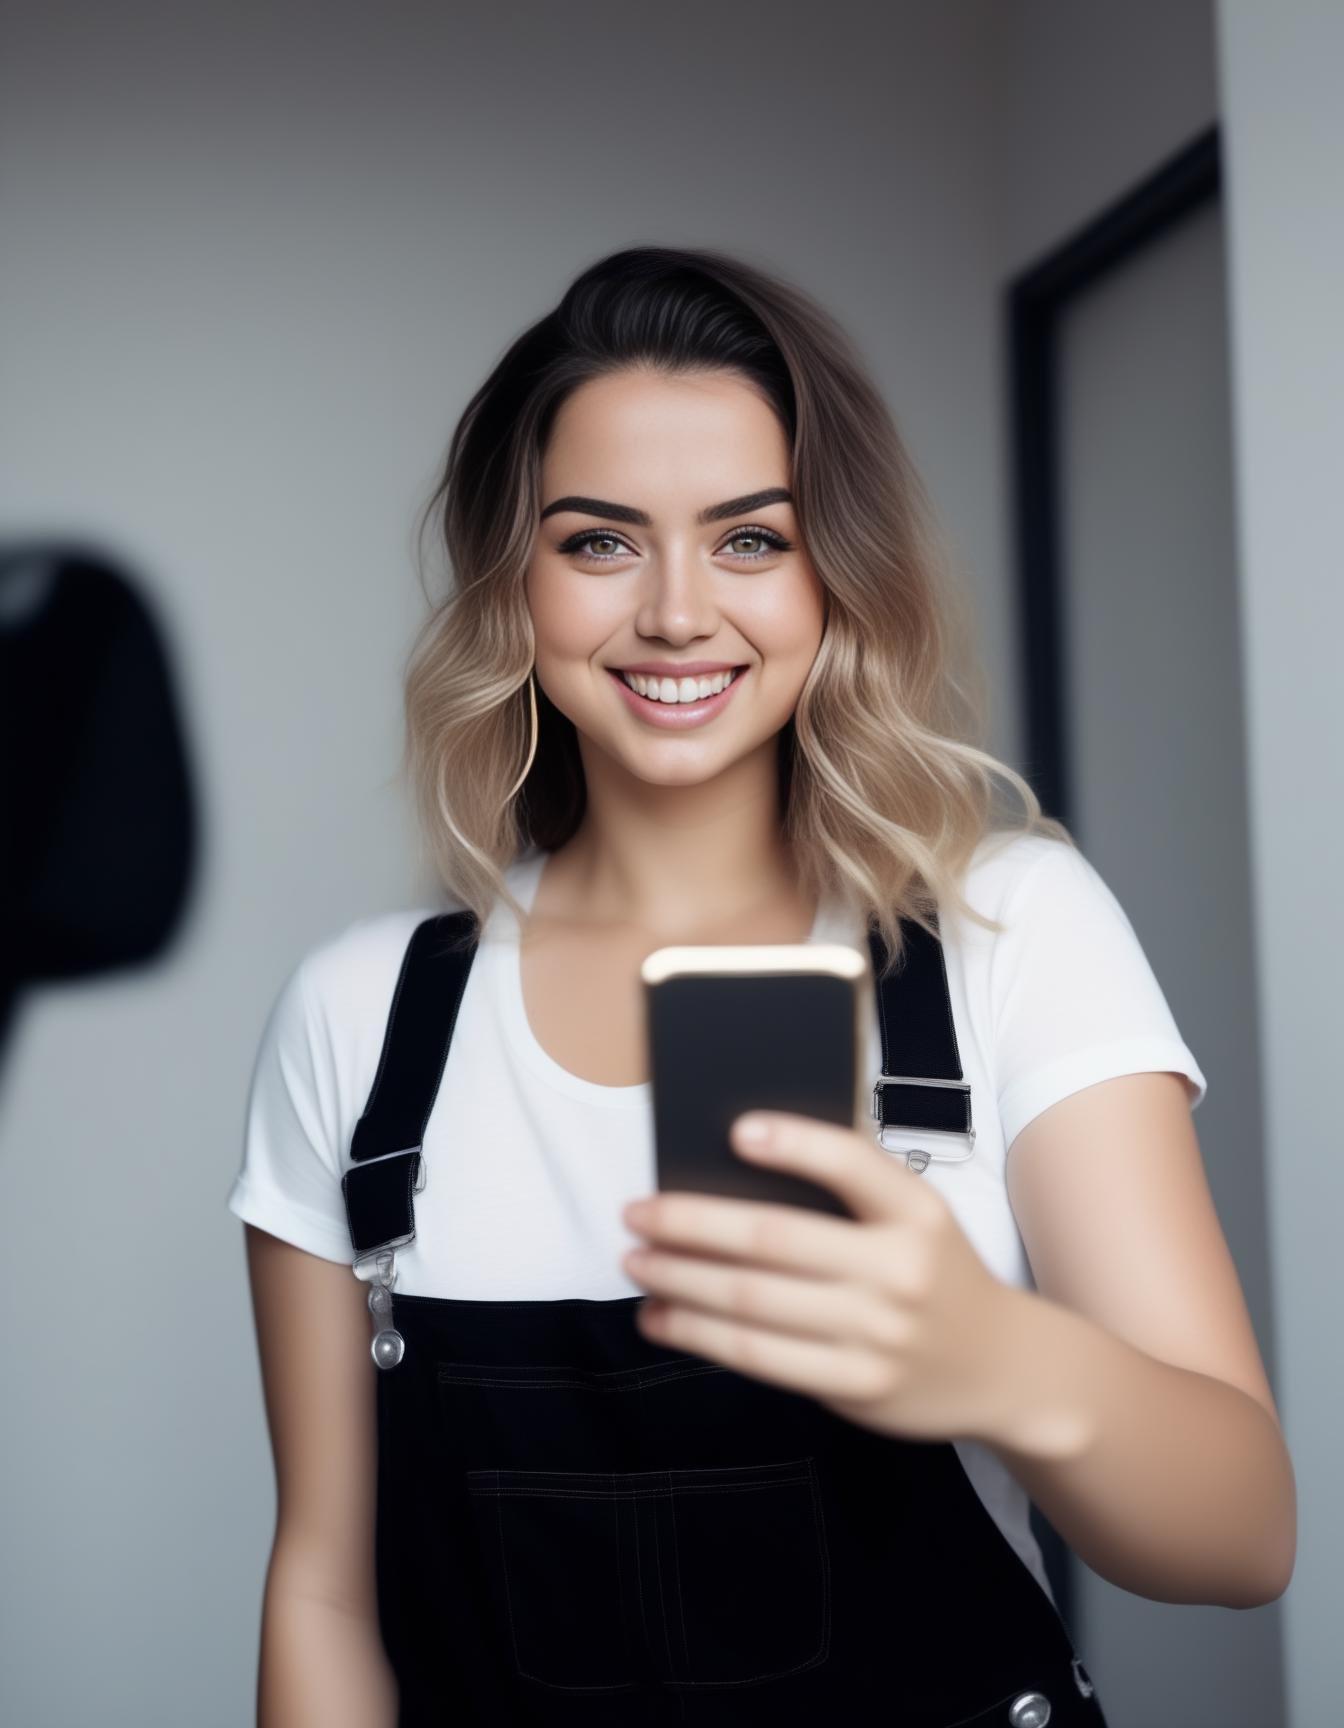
(625, 572)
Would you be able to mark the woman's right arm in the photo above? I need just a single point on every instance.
(322, 1662)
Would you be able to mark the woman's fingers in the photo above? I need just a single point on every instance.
(805, 1307)
(821, 1370)
(872, 1183)
(795, 1238)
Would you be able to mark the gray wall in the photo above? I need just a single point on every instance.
(1279, 71)
(255, 264)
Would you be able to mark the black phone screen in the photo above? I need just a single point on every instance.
(722, 1043)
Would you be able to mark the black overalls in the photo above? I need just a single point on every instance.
(577, 1526)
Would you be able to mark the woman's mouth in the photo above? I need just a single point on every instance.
(673, 714)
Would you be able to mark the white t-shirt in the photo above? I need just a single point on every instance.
(528, 1165)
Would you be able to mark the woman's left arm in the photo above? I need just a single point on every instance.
(1134, 1408)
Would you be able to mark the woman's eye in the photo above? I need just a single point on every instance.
(770, 542)
(584, 542)
(592, 544)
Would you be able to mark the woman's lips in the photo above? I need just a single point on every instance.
(674, 715)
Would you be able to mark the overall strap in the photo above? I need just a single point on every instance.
(914, 1020)
(388, 1166)
(914, 1017)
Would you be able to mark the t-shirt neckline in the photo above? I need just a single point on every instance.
(524, 877)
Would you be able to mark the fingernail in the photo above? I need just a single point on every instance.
(751, 1132)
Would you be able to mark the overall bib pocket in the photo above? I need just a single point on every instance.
(703, 1577)
(617, 1549)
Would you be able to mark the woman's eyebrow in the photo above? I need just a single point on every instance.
(642, 519)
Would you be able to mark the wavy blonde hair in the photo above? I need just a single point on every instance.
(885, 793)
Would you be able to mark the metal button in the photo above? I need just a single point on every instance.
(388, 1347)
(1081, 1678)
(1029, 1710)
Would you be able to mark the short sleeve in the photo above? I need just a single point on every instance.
(289, 1183)
(1074, 998)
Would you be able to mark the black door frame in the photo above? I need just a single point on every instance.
(1035, 303)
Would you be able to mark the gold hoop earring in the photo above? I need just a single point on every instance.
(532, 749)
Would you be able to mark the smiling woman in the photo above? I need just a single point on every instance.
(676, 573)
(684, 465)
(697, 677)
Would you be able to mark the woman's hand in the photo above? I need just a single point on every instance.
(889, 1318)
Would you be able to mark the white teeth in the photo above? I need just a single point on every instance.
(678, 689)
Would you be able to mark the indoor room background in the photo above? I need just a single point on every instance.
(256, 260)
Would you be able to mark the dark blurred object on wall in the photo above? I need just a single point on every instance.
(98, 823)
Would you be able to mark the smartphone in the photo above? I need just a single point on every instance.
(771, 1025)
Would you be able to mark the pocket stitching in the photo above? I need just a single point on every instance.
(662, 1593)
(526, 1673)
(617, 1379)
(599, 1481)
(524, 1493)
(823, 1554)
(485, 1482)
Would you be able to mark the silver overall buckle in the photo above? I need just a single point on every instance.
(388, 1346)
(917, 1158)
(421, 1171)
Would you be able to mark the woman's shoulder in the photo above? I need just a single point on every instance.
(1046, 897)
(1008, 861)
(1066, 991)
(349, 974)
(314, 1065)
(324, 1033)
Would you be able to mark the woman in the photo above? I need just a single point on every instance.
(695, 682)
